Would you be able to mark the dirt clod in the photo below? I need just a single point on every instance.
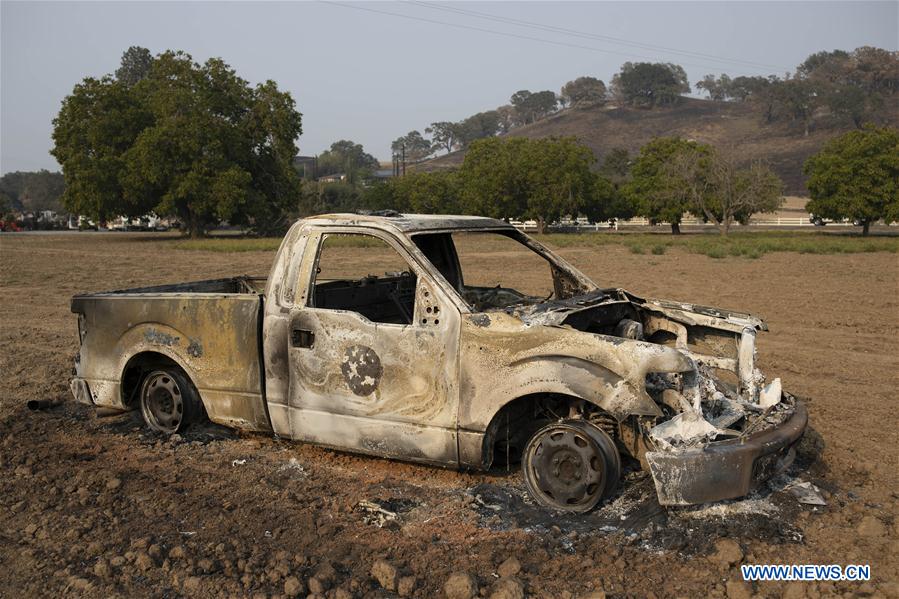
(738, 590)
(385, 573)
(507, 588)
(510, 567)
(871, 526)
(406, 586)
(293, 586)
(460, 585)
(193, 584)
(727, 552)
(143, 561)
(317, 586)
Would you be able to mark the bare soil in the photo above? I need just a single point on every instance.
(101, 507)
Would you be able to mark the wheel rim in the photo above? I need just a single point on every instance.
(162, 403)
(565, 468)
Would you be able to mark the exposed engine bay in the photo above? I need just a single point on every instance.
(723, 398)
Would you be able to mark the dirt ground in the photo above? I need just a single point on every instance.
(100, 507)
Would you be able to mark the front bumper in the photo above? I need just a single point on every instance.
(726, 469)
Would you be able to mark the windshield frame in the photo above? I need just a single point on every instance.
(568, 281)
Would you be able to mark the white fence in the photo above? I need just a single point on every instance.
(582, 227)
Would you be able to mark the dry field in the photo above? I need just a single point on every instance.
(99, 507)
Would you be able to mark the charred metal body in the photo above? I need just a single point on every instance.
(418, 365)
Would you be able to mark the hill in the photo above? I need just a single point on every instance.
(722, 124)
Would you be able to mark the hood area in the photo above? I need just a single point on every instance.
(723, 396)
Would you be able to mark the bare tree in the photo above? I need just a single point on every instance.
(721, 189)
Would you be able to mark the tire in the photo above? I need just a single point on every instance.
(571, 466)
(168, 400)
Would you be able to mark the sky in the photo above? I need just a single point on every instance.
(361, 74)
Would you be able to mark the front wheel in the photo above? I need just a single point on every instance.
(571, 466)
(168, 401)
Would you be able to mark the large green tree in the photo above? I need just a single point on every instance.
(425, 193)
(856, 176)
(96, 127)
(646, 85)
(540, 179)
(660, 194)
(187, 140)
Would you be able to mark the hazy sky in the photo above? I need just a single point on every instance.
(371, 77)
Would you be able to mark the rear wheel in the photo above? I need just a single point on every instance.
(571, 466)
(168, 401)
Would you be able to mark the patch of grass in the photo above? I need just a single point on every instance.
(229, 244)
(752, 244)
(263, 244)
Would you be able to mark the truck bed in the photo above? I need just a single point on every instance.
(234, 285)
(211, 329)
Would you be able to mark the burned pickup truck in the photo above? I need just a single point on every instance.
(394, 335)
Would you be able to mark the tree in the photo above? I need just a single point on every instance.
(413, 146)
(426, 193)
(875, 70)
(849, 102)
(856, 176)
(743, 88)
(799, 99)
(616, 166)
(444, 134)
(766, 96)
(478, 126)
(135, 65)
(740, 192)
(647, 85)
(606, 201)
(346, 157)
(584, 92)
(98, 123)
(718, 88)
(722, 190)
(853, 85)
(829, 66)
(507, 118)
(518, 177)
(187, 140)
(658, 193)
(530, 107)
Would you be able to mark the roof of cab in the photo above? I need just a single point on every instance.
(409, 223)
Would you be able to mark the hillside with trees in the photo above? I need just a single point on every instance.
(780, 120)
(31, 191)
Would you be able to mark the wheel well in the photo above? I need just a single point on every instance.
(512, 426)
(135, 370)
